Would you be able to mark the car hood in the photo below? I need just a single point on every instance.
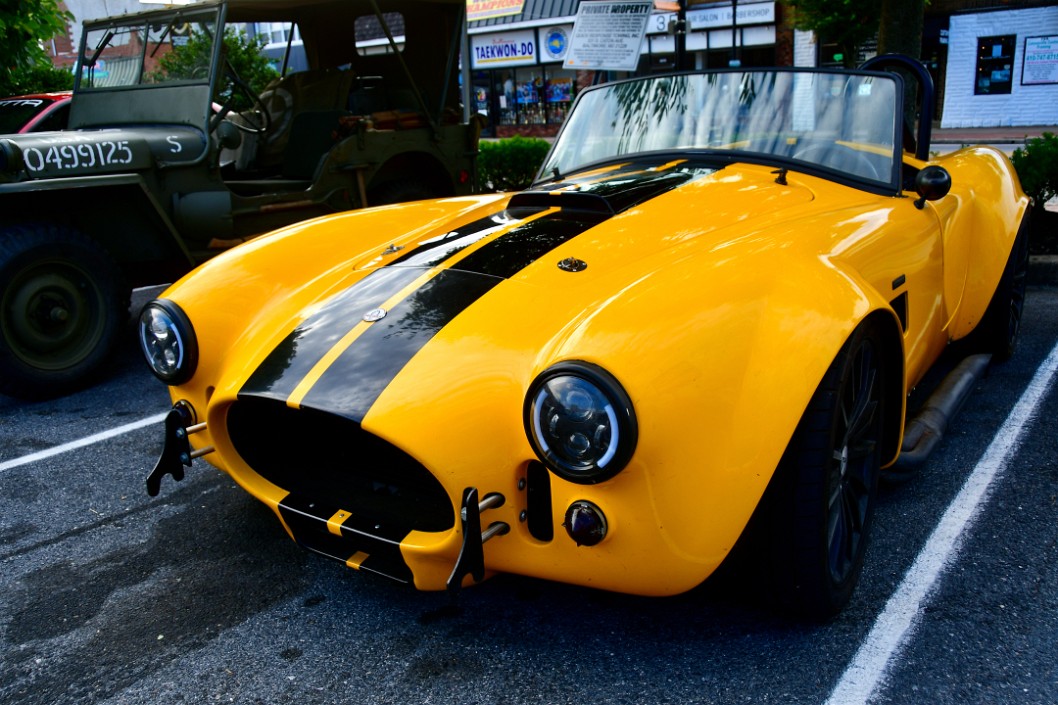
(518, 283)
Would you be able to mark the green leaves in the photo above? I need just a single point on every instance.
(24, 26)
(1037, 167)
(846, 23)
(510, 164)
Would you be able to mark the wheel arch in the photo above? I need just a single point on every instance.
(992, 211)
(893, 357)
(426, 167)
(119, 214)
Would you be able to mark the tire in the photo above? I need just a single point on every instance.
(401, 192)
(62, 306)
(820, 505)
(997, 333)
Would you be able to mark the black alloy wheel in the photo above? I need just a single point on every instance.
(997, 333)
(821, 502)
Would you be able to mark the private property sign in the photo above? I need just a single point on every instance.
(608, 35)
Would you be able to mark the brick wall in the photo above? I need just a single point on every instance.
(1024, 105)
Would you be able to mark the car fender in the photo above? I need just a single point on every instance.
(981, 217)
(731, 396)
(271, 280)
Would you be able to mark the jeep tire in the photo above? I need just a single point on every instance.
(62, 306)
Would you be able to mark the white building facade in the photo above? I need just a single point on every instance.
(1002, 68)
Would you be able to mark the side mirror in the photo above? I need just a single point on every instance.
(932, 184)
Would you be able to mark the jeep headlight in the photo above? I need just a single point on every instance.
(168, 341)
(580, 422)
(10, 157)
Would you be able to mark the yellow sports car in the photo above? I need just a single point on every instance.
(710, 307)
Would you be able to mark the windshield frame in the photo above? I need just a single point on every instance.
(183, 101)
(602, 101)
(97, 42)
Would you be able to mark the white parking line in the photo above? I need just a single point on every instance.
(895, 625)
(86, 441)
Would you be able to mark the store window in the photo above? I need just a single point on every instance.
(995, 64)
(537, 98)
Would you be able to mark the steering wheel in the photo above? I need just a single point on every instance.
(838, 157)
(256, 121)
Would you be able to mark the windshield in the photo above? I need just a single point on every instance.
(838, 121)
(16, 112)
(156, 50)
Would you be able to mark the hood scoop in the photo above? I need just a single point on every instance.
(613, 193)
(535, 201)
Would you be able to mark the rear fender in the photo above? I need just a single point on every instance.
(981, 217)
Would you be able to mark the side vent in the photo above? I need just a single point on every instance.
(538, 502)
(899, 305)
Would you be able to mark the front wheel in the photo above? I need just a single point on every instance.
(822, 501)
(62, 305)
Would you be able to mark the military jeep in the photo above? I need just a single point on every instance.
(161, 169)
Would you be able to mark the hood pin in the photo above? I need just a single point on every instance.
(572, 264)
(375, 314)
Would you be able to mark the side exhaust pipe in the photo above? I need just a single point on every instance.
(927, 428)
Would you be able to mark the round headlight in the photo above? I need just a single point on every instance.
(168, 341)
(580, 422)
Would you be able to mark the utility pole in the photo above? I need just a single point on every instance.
(681, 36)
(734, 62)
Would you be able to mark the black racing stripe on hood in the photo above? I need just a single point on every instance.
(360, 374)
(355, 380)
(306, 345)
(628, 186)
(351, 385)
(516, 251)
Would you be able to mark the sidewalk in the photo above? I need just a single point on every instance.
(989, 135)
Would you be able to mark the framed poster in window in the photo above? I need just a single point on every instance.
(1041, 61)
(995, 64)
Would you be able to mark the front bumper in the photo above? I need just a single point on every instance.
(317, 513)
(383, 512)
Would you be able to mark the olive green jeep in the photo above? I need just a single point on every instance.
(160, 168)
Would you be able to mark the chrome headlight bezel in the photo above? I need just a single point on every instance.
(168, 341)
(574, 397)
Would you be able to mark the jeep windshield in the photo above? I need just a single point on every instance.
(139, 50)
(837, 124)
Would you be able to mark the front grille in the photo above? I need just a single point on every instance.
(332, 459)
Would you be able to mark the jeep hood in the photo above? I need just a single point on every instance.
(49, 155)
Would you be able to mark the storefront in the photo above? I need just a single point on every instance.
(517, 77)
(519, 82)
(1002, 68)
(719, 35)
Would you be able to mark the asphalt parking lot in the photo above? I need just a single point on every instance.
(198, 596)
